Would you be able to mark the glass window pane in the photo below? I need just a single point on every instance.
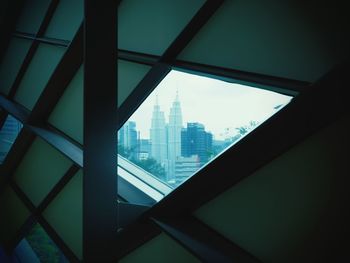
(12, 62)
(66, 20)
(41, 168)
(65, 214)
(38, 73)
(151, 26)
(185, 123)
(268, 38)
(8, 134)
(13, 214)
(129, 75)
(297, 186)
(32, 15)
(67, 116)
(38, 247)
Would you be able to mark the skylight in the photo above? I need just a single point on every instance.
(186, 122)
(8, 134)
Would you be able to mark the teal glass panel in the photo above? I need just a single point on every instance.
(65, 214)
(129, 75)
(276, 211)
(32, 16)
(268, 38)
(12, 62)
(13, 214)
(8, 134)
(38, 73)
(151, 26)
(39, 247)
(66, 20)
(41, 168)
(68, 113)
(159, 250)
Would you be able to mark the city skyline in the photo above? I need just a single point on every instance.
(205, 100)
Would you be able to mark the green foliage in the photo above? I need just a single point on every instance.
(43, 246)
(150, 165)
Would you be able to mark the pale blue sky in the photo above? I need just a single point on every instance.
(215, 103)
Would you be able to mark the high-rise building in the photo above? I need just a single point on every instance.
(158, 135)
(128, 136)
(144, 149)
(185, 167)
(174, 136)
(196, 141)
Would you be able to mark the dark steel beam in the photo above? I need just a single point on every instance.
(138, 57)
(33, 47)
(162, 67)
(278, 84)
(8, 23)
(59, 80)
(134, 236)
(58, 140)
(46, 40)
(203, 242)
(301, 118)
(307, 113)
(14, 108)
(57, 188)
(192, 28)
(141, 92)
(45, 225)
(62, 144)
(128, 213)
(100, 109)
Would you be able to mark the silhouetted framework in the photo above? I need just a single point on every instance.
(112, 228)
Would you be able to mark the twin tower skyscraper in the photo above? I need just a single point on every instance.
(166, 137)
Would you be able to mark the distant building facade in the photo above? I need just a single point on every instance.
(185, 167)
(196, 141)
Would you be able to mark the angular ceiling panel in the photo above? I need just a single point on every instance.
(151, 26)
(66, 20)
(12, 62)
(158, 250)
(65, 214)
(41, 168)
(278, 38)
(67, 116)
(129, 75)
(38, 74)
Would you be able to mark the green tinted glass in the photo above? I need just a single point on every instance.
(129, 75)
(65, 214)
(66, 20)
(38, 73)
(68, 113)
(11, 62)
(275, 210)
(151, 26)
(272, 39)
(32, 16)
(158, 250)
(41, 168)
